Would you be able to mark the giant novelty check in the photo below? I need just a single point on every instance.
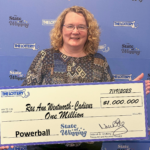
(73, 113)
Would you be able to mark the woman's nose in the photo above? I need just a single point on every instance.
(75, 30)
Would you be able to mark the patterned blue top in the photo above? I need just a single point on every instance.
(53, 67)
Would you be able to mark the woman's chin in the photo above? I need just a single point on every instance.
(75, 44)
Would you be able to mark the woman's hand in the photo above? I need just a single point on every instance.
(147, 82)
(6, 147)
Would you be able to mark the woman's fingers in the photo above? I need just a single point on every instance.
(4, 147)
(147, 86)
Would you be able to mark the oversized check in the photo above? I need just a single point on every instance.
(73, 113)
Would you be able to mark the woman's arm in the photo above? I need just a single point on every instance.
(34, 74)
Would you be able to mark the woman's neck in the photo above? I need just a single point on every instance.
(72, 51)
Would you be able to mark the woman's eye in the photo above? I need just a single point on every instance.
(70, 26)
(81, 27)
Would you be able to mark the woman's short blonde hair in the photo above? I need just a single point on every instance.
(92, 43)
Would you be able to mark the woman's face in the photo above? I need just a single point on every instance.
(74, 38)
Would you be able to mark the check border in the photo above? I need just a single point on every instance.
(91, 140)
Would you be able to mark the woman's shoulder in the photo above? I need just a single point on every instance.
(99, 56)
(47, 51)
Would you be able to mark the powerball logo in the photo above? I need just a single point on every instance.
(15, 93)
